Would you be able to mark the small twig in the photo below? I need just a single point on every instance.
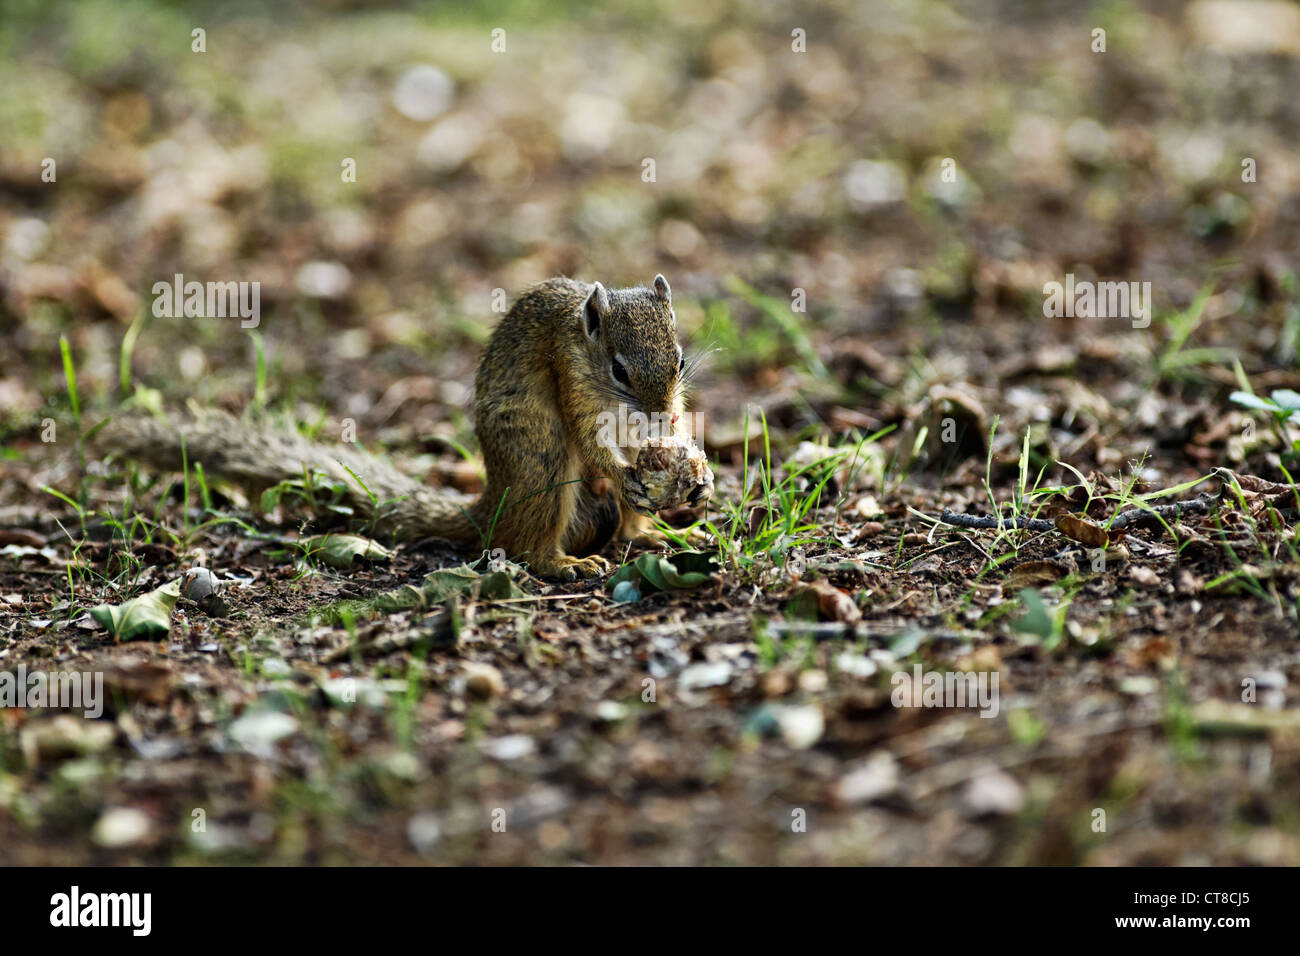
(534, 597)
(993, 522)
(1202, 504)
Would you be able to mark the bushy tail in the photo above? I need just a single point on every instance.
(258, 457)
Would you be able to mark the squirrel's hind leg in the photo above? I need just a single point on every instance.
(594, 523)
(530, 527)
(533, 461)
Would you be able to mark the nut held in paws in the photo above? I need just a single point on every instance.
(670, 468)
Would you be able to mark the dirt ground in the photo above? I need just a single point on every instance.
(858, 236)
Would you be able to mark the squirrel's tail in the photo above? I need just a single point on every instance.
(258, 457)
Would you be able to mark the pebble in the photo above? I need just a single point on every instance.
(877, 777)
(424, 830)
(625, 592)
(121, 827)
(484, 681)
(997, 793)
(422, 93)
(699, 676)
(511, 747)
(800, 726)
(259, 731)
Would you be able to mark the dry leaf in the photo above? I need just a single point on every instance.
(832, 604)
(1085, 532)
(1032, 574)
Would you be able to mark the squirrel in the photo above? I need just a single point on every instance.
(565, 358)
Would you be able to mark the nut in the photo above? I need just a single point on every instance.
(670, 468)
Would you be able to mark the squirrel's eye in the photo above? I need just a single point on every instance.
(681, 363)
(619, 371)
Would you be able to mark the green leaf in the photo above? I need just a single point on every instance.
(803, 606)
(498, 585)
(271, 497)
(70, 373)
(1254, 401)
(148, 616)
(341, 550)
(450, 582)
(440, 585)
(1286, 398)
(906, 644)
(403, 599)
(686, 569)
(1037, 619)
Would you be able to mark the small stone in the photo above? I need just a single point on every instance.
(259, 731)
(876, 778)
(994, 793)
(867, 506)
(813, 681)
(484, 681)
(699, 676)
(511, 747)
(1139, 685)
(1143, 576)
(800, 726)
(870, 184)
(1269, 680)
(625, 592)
(121, 827)
(610, 711)
(27, 239)
(776, 684)
(424, 830)
(856, 665)
(323, 280)
(198, 583)
(422, 93)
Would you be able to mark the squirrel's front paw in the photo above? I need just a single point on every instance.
(634, 491)
(703, 491)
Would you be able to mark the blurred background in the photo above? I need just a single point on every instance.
(773, 170)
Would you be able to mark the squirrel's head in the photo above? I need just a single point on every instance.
(632, 338)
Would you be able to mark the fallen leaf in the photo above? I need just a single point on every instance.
(1085, 532)
(342, 550)
(820, 600)
(685, 569)
(1032, 574)
(142, 618)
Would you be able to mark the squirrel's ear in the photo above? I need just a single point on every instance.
(594, 310)
(662, 290)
